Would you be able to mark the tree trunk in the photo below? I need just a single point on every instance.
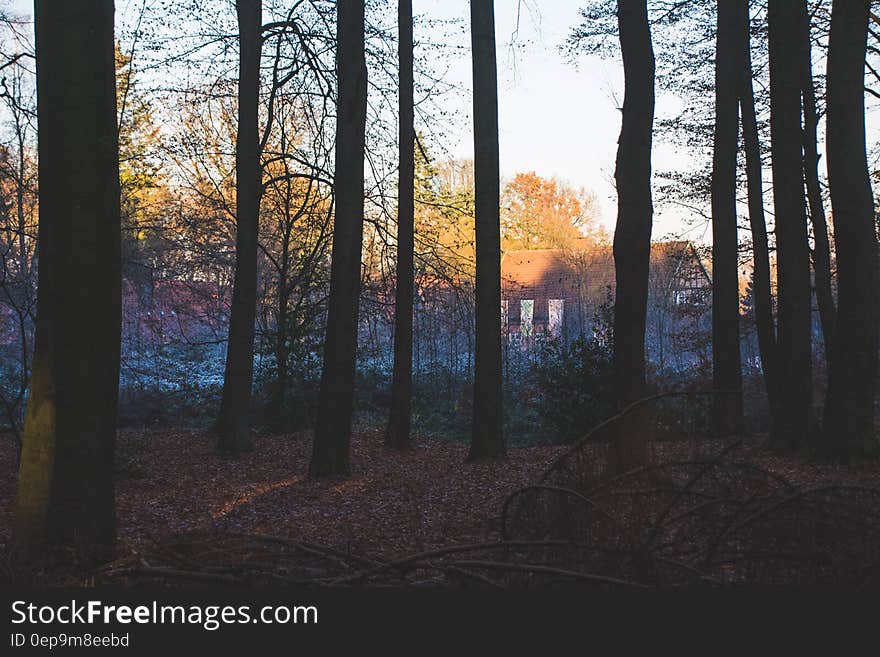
(336, 396)
(763, 297)
(785, 19)
(233, 426)
(727, 411)
(398, 435)
(487, 440)
(821, 251)
(632, 234)
(65, 489)
(849, 407)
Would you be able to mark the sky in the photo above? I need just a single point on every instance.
(562, 120)
(556, 118)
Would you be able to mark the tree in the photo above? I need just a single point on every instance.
(541, 213)
(785, 21)
(632, 233)
(487, 440)
(727, 412)
(233, 427)
(144, 195)
(330, 449)
(398, 434)
(821, 250)
(849, 407)
(65, 487)
(761, 292)
(295, 235)
(18, 223)
(444, 219)
(295, 150)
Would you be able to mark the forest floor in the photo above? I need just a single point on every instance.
(172, 483)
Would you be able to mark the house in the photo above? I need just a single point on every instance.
(169, 312)
(564, 293)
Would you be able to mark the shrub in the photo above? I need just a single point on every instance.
(574, 381)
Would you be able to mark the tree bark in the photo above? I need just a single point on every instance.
(632, 234)
(398, 434)
(65, 489)
(821, 250)
(233, 425)
(785, 19)
(330, 449)
(763, 297)
(487, 440)
(727, 410)
(849, 407)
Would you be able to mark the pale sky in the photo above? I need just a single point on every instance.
(561, 120)
(555, 118)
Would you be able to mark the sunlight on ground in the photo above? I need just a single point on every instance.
(350, 485)
(249, 496)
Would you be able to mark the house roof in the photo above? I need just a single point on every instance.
(586, 269)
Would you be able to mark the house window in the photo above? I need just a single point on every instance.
(689, 296)
(526, 314)
(555, 317)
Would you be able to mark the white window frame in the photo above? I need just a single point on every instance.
(526, 318)
(555, 317)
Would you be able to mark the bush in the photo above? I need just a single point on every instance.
(574, 382)
(442, 404)
(170, 387)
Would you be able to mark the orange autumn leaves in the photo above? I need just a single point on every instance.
(543, 213)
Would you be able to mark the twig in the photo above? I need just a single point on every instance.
(547, 570)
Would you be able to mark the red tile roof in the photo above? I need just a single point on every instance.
(585, 271)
